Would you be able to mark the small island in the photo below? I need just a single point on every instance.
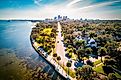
(80, 49)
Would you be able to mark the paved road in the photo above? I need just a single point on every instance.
(60, 50)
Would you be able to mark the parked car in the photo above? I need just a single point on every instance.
(42, 52)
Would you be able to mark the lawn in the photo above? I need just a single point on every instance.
(71, 72)
(47, 30)
(97, 62)
(99, 69)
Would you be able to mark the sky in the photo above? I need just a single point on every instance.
(41, 9)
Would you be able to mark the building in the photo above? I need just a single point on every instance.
(59, 17)
(55, 18)
(92, 43)
(65, 17)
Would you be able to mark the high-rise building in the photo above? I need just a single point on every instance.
(59, 17)
(65, 17)
(55, 18)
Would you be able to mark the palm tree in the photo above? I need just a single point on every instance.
(68, 64)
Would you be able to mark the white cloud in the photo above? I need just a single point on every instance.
(73, 2)
(96, 6)
(50, 11)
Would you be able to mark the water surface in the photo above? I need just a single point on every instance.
(15, 38)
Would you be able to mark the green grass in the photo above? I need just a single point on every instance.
(99, 69)
(97, 62)
(74, 57)
(71, 73)
(47, 30)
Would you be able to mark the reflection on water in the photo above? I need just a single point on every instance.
(15, 47)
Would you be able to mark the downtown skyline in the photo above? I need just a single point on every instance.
(41, 9)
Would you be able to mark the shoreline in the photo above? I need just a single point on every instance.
(53, 66)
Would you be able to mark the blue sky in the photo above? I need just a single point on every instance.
(41, 9)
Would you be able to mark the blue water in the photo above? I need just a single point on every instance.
(15, 35)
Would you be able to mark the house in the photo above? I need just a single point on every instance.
(92, 43)
(78, 38)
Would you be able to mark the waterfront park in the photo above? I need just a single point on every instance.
(80, 49)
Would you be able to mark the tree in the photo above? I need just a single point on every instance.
(111, 46)
(100, 40)
(69, 55)
(112, 76)
(89, 63)
(80, 43)
(103, 77)
(68, 64)
(58, 59)
(80, 52)
(49, 51)
(118, 58)
(53, 46)
(52, 35)
(37, 25)
(94, 50)
(109, 62)
(55, 55)
(34, 36)
(102, 52)
(84, 73)
(91, 34)
(88, 50)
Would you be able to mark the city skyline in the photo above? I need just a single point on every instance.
(41, 9)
